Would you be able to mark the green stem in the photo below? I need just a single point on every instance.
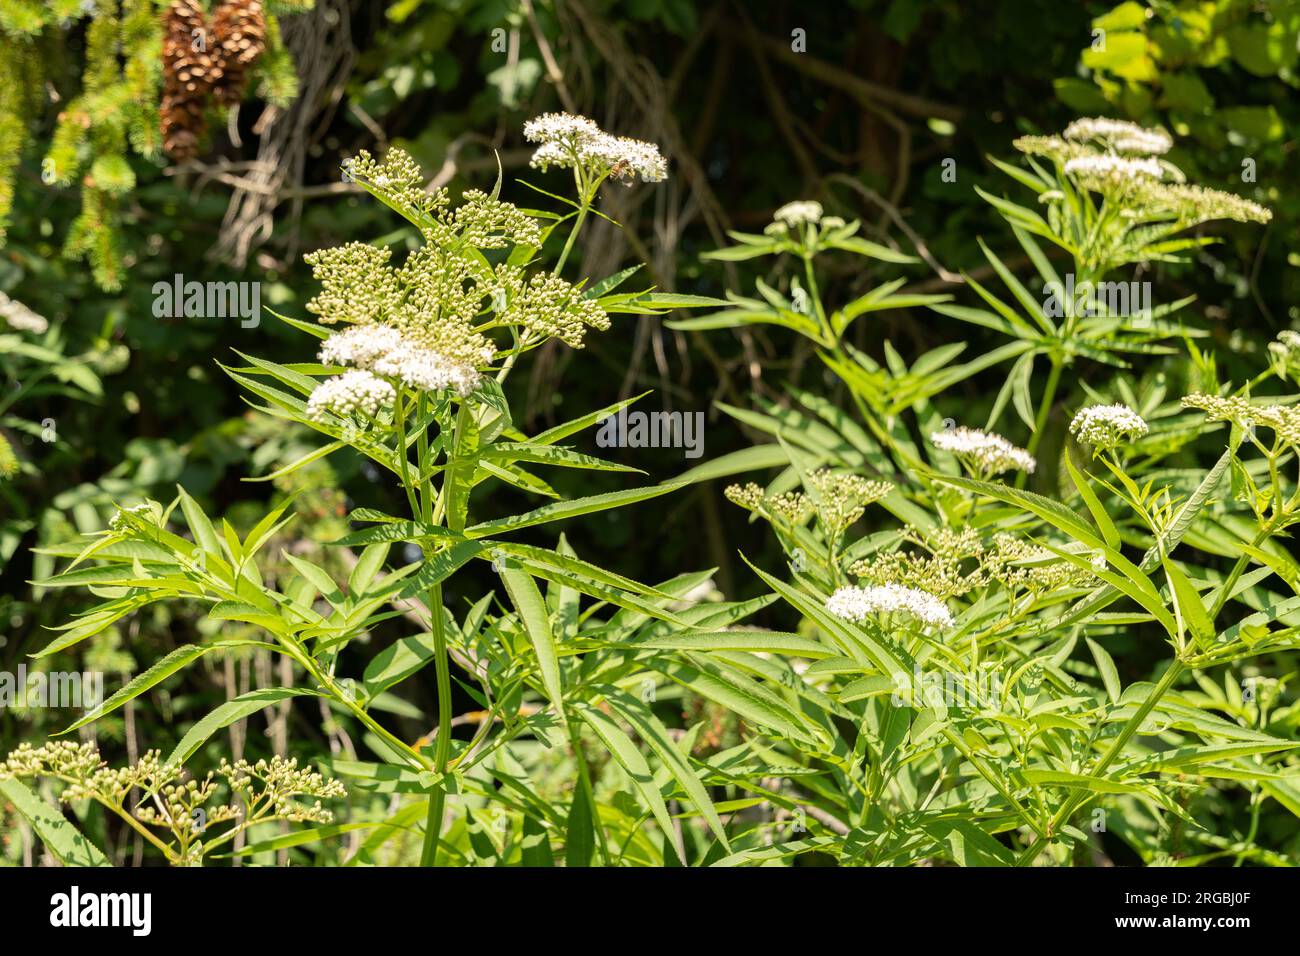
(441, 663)
(1131, 726)
(991, 777)
(1238, 568)
(137, 826)
(309, 665)
(815, 296)
(1044, 409)
(442, 743)
(1256, 803)
(399, 413)
(587, 196)
(1126, 733)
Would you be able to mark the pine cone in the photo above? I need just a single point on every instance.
(239, 36)
(190, 68)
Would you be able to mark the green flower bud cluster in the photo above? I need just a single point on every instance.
(841, 498)
(447, 295)
(951, 564)
(172, 802)
(1284, 420)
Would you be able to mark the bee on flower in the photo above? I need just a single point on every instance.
(567, 141)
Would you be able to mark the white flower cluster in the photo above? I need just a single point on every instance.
(428, 371)
(19, 317)
(1288, 343)
(986, 452)
(361, 345)
(383, 350)
(1108, 169)
(559, 127)
(1114, 158)
(567, 141)
(1107, 426)
(798, 213)
(857, 604)
(355, 390)
(1120, 135)
(1285, 352)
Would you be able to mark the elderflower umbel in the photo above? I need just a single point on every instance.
(21, 318)
(1052, 147)
(276, 782)
(1108, 172)
(1285, 353)
(1192, 205)
(1120, 135)
(445, 297)
(487, 223)
(984, 452)
(362, 345)
(385, 351)
(559, 128)
(858, 604)
(949, 566)
(1107, 426)
(568, 141)
(801, 212)
(1020, 565)
(265, 791)
(428, 371)
(354, 391)
(1114, 158)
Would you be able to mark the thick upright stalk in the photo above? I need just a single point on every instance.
(568, 245)
(587, 196)
(442, 743)
(441, 663)
(815, 296)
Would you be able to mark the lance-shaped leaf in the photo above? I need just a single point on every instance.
(560, 510)
(182, 657)
(68, 844)
(528, 601)
(656, 736)
(236, 709)
(546, 454)
(624, 752)
(763, 642)
(1105, 595)
(441, 566)
(748, 698)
